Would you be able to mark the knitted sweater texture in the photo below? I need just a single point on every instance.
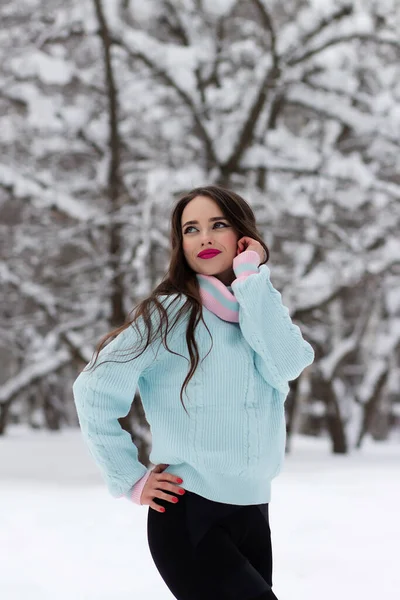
(231, 443)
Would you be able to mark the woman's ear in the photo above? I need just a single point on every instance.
(241, 245)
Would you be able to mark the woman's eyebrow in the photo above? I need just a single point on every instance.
(212, 219)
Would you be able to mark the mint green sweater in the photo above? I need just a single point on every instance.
(232, 443)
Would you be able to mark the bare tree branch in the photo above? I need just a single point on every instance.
(47, 303)
(370, 407)
(295, 169)
(213, 77)
(31, 374)
(43, 194)
(177, 28)
(276, 107)
(321, 304)
(246, 135)
(115, 185)
(326, 113)
(187, 100)
(343, 11)
(341, 39)
(268, 24)
(354, 98)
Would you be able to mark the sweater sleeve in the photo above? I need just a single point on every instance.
(135, 492)
(105, 394)
(281, 353)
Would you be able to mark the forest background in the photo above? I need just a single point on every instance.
(110, 110)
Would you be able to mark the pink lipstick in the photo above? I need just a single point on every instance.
(208, 253)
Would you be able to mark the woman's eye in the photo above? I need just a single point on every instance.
(221, 223)
(217, 223)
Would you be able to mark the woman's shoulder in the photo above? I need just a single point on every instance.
(176, 305)
(153, 322)
(172, 298)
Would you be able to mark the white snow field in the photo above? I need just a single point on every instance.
(335, 525)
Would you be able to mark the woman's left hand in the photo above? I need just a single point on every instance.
(248, 243)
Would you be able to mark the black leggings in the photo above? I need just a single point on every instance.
(232, 561)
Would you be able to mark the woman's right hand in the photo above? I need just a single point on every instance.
(156, 483)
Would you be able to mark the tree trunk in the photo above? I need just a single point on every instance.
(114, 177)
(371, 406)
(337, 434)
(4, 413)
(334, 421)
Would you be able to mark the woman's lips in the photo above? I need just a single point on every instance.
(210, 254)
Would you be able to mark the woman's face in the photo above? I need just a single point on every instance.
(204, 227)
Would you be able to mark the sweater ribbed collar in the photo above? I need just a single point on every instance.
(218, 298)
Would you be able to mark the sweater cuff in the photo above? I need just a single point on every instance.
(135, 492)
(246, 263)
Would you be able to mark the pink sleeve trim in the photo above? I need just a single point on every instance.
(244, 276)
(248, 260)
(248, 256)
(137, 489)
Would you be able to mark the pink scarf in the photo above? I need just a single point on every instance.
(218, 298)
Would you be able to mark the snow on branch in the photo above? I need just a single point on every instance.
(137, 49)
(246, 133)
(331, 362)
(31, 374)
(341, 39)
(176, 22)
(324, 283)
(327, 106)
(218, 8)
(49, 303)
(267, 22)
(36, 292)
(344, 11)
(388, 256)
(176, 62)
(391, 189)
(304, 161)
(22, 186)
(376, 369)
(376, 376)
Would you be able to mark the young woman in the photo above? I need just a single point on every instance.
(215, 331)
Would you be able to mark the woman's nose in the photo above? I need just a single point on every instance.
(206, 238)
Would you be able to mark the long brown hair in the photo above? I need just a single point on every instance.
(180, 280)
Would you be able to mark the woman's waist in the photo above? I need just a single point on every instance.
(250, 487)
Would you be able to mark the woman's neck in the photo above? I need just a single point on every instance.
(226, 277)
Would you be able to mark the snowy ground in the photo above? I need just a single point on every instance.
(335, 525)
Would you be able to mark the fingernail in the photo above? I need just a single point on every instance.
(179, 480)
(174, 499)
(162, 509)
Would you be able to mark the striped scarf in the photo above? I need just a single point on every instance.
(218, 298)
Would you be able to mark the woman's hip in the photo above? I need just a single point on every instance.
(198, 547)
